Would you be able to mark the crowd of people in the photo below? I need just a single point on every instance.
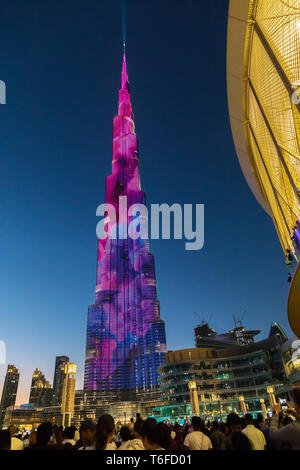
(281, 432)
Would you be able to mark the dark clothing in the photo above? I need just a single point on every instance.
(236, 441)
(78, 444)
(41, 447)
(217, 438)
(289, 434)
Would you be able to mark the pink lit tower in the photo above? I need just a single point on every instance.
(126, 340)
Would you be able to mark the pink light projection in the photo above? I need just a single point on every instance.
(125, 336)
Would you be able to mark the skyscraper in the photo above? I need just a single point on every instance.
(125, 336)
(9, 391)
(41, 392)
(59, 360)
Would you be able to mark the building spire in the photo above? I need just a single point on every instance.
(124, 70)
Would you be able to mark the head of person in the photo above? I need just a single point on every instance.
(87, 432)
(240, 441)
(156, 435)
(12, 429)
(296, 398)
(44, 434)
(125, 433)
(105, 431)
(197, 423)
(234, 423)
(287, 420)
(248, 419)
(5, 440)
(138, 425)
(69, 432)
(57, 435)
(215, 425)
(260, 418)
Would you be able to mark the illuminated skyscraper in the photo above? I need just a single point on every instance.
(9, 391)
(41, 392)
(125, 335)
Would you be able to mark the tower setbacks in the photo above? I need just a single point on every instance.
(126, 340)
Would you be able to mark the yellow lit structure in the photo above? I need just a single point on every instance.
(68, 392)
(263, 75)
(194, 398)
(243, 404)
(272, 398)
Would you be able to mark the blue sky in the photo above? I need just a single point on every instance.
(61, 61)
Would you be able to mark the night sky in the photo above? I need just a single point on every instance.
(61, 61)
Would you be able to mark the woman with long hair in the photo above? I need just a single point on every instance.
(105, 433)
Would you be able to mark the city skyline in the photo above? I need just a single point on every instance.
(58, 152)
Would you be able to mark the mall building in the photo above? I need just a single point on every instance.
(230, 370)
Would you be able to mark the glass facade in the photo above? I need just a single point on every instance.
(222, 376)
(125, 336)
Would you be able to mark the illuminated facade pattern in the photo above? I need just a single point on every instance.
(125, 335)
(270, 119)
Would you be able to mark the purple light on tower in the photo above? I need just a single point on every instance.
(125, 336)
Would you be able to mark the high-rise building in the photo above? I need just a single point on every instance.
(68, 392)
(41, 392)
(125, 335)
(9, 391)
(263, 75)
(59, 360)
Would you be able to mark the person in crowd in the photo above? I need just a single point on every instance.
(105, 434)
(44, 438)
(125, 438)
(136, 443)
(240, 441)
(5, 440)
(156, 436)
(16, 443)
(197, 440)
(32, 438)
(291, 432)
(57, 436)
(179, 436)
(87, 432)
(255, 436)
(217, 437)
(68, 437)
(233, 442)
(130, 426)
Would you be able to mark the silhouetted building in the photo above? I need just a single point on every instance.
(57, 385)
(9, 391)
(207, 337)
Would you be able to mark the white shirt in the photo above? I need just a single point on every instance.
(196, 440)
(69, 441)
(16, 444)
(255, 436)
(134, 444)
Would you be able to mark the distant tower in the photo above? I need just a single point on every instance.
(126, 340)
(9, 391)
(41, 392)
(68, 381)
(59, 360)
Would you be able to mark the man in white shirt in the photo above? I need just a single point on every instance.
(255, 436)
(196, 440)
